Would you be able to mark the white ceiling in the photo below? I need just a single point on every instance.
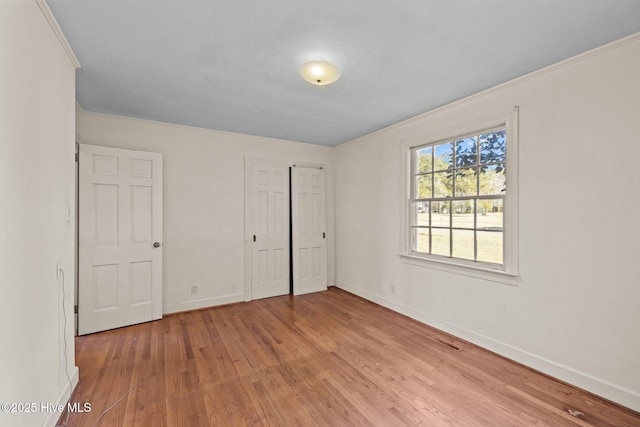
(232, 65)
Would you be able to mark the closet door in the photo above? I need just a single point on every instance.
(270, 231)
(308, 230)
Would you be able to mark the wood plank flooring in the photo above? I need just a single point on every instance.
(324, 359)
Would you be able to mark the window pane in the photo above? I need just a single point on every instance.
(490, 246)
(440, 214)
(443, 184)
(424, 160)
(466, 182)
(463, 214)
(420, 213)
(493, 180)
(444, 156)
(493, 147)
(490, 214)
(466, 152)
(458, 189)
(463, 246)
(440, 241)
(420, 240)
(423, 187)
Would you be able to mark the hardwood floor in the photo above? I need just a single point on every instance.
(326, 359)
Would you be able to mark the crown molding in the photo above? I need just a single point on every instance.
(46, 11)
(611, 46)
(88, 114)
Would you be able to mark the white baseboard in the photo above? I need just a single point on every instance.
(63, 397)
(597, 386)
(202, 303)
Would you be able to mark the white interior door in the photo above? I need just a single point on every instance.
(120, 235)
(270, 231)
(308, 230)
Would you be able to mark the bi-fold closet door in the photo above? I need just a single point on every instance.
(287, 230)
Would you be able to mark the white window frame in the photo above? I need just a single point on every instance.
(508, 271)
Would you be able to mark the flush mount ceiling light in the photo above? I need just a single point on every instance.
(319, 72)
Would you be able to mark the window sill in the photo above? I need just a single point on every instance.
(462, 269)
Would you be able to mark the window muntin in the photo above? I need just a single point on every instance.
(457, 198)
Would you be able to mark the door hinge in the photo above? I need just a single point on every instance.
(323, 235)
(76, 157)
(75, 309)
(254, 237)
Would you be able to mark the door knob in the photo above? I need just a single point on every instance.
(156, 244)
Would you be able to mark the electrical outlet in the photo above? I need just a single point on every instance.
(194, 289)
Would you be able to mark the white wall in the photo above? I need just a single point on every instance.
(37, 107)
(203, 200)
(575, 313)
